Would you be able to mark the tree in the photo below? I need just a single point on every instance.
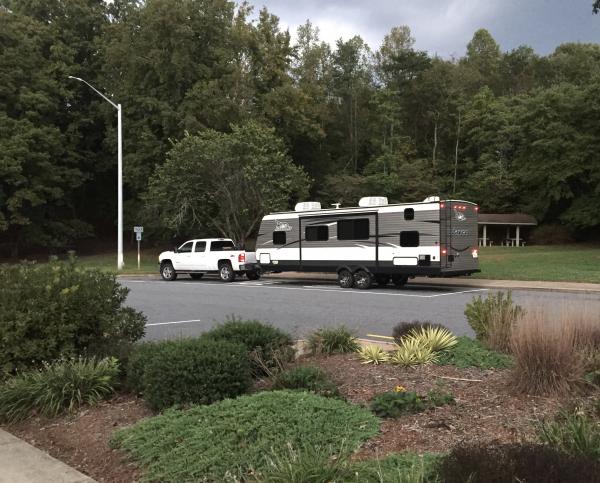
(224, 182)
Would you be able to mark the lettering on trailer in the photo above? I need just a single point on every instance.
(460, 232)
(282, 226)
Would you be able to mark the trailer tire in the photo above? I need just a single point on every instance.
(382, 280)
(253, 274)
(196, 276)
(167, 272)
(363, 279)
(226, 273)
(399, 280)
(345, 278)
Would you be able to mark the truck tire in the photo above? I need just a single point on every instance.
(399, 280)
(345, 278)
(167, 272)
(253, 274)
(363, 279)
(196, 276)
(226, 273)
(382, 279)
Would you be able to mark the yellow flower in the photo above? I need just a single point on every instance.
(399, 389)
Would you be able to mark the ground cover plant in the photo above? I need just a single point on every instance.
(180, 445)
(332, 340)
(393, 404)
(470, 353)
(59, 309)
(308, 378)
(531, 463)
(574, 432)
(268, 345)
(493, 319)
(372, 354)
(59, 387)
(187, 371)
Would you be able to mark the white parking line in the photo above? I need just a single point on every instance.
(175, 322)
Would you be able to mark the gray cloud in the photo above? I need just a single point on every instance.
(446, 26)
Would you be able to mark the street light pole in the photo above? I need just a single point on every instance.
(120, 262)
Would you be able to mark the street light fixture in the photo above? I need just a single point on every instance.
(119, 172)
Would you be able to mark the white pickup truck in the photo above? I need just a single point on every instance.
(208, 255)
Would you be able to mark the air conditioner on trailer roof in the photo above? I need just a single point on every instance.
(373, 201)
(308, 206)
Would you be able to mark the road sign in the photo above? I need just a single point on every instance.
(138, 236)
(138, 229)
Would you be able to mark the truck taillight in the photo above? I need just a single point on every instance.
(241, 257)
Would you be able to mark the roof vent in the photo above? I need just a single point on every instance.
(308, 206)
(431, 199)
(373, 201)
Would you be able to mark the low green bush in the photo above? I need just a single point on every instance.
(470, 353)
(332, 340)
(493, 318)
(398, 468)
(59, 387)
(478, 463)
(573, 432)
(393, 404)
(268, 345)
(189, 371)
(308, 378)
(61, 310)
(232, 439)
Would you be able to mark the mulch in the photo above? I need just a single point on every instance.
(486, 410)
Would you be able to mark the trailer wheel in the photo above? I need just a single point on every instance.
(382, 280)
(363, 279)
(399, 280)
(167, 272)
(345, 278)
(226, 272)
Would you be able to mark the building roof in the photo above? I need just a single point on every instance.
(506, 219)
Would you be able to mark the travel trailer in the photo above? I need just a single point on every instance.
(373, 243)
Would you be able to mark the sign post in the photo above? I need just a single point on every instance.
(138, 230)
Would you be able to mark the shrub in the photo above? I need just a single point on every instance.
(394, 404)
(233, 437)
(373, 354)
(308, 378)
(435, 338)
(269, 345)
(469, 353)
(398, 468)
(529, 463)
(189, 371)
(58, 387)
(545, 357)
(58, 309)
(332, 340)
(572, 432)
(493, 318)
(404, 328)
(411, 352)
(551, 235)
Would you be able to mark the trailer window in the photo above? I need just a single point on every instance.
(317, 233)
(353, 229)
(279, 238)
(409, 213)
(409, 238)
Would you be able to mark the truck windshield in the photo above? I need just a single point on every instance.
(221, 246)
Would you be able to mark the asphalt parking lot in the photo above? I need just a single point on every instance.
(188, 307)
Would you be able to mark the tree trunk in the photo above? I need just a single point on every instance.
(435, 138)
(456, 153)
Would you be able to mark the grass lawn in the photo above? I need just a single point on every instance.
(572, 263)
(108, 261)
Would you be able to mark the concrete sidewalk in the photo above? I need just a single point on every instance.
(22, 463)
(575, 287)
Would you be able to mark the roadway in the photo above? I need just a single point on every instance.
(188, 307)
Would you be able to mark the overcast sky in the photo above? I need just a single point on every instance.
(445, 26)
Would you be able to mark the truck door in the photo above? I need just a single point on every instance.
(198, 256)
(182, 259)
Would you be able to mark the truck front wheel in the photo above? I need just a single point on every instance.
(226, 272)
(167, 272)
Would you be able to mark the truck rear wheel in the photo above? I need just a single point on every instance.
(345, 278)
(226, 272)
(167, 272)
(399, 280)
(363, 280)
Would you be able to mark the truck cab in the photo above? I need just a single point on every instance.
(208, 255)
